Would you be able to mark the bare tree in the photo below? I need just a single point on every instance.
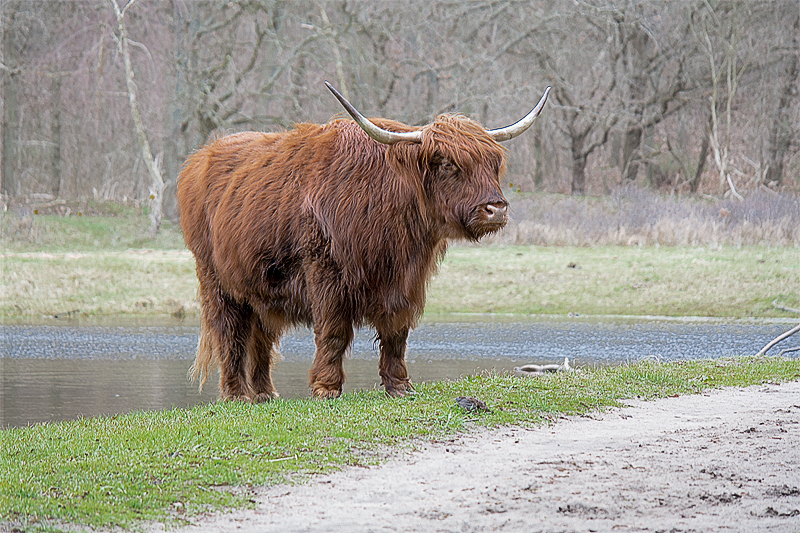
(652, 65)
(237, 59)
(10, 74)
(719, 41)
(584, 86)
(682, 155)
(632, 84)
(783, 129)
(153, 163)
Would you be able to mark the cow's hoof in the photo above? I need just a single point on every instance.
(405, 389)
(325, 394)
(263, 397)
(234, 398)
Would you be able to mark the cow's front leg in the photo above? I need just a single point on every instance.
(392, 364)
(326, 376)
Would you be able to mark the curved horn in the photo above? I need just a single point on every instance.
(379, 134)
(509, 132)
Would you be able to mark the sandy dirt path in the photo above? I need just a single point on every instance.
(726, 460)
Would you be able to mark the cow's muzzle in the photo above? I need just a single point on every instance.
(497, 213)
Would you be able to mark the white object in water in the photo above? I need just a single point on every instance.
(538, 370)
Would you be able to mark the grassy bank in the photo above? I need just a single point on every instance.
(607, 280)
(617, 280)
(97, 283)
(97, 262)
(166, 466)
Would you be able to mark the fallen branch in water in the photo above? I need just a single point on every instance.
(789, 350)
(778, 339)
(538, 370)
(782, 308)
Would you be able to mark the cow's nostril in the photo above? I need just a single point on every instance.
(496, 212)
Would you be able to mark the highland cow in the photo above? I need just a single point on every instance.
(331, 226)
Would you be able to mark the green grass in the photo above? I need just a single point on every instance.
(617, 280)
(607, 280)
(98, 283)
(164, 466)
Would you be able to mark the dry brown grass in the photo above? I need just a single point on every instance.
(642, 217)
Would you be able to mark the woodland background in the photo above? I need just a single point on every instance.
(690, 97)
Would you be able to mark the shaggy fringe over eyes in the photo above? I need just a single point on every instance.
(464, 142)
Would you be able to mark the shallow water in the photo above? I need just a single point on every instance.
(62, 371)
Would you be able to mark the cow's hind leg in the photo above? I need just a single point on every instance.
(326, 376)
(392, 364)
(231, 324)
(207, 350)
(261, 354)
(333, 325)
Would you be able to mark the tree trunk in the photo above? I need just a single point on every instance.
(780, 136)
(630, 163)
(9, 185)
(153, 164)
(55, 129)
(8, 182)
(538, 161)
(694, 185)
(578, 185)
(579, 159)
(636, 62)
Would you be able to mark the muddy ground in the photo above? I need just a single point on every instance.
(726, 460)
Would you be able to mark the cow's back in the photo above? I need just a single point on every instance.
(228, 193)
(255, 208)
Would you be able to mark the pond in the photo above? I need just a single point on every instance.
(57, 371)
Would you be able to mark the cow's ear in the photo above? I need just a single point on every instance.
(406, 160)
(409, 165)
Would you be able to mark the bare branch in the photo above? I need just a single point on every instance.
(124, 9)
(783, 308)
(778, 339)
(733, 189)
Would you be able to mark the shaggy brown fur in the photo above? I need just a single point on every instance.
(325, 227)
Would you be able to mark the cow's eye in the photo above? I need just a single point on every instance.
(447, 167)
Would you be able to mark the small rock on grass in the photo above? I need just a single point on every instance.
(471, 404)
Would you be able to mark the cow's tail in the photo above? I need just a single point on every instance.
(207, 353)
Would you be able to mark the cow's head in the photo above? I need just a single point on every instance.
(458, 164)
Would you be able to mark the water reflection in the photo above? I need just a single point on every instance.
(55, 372)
